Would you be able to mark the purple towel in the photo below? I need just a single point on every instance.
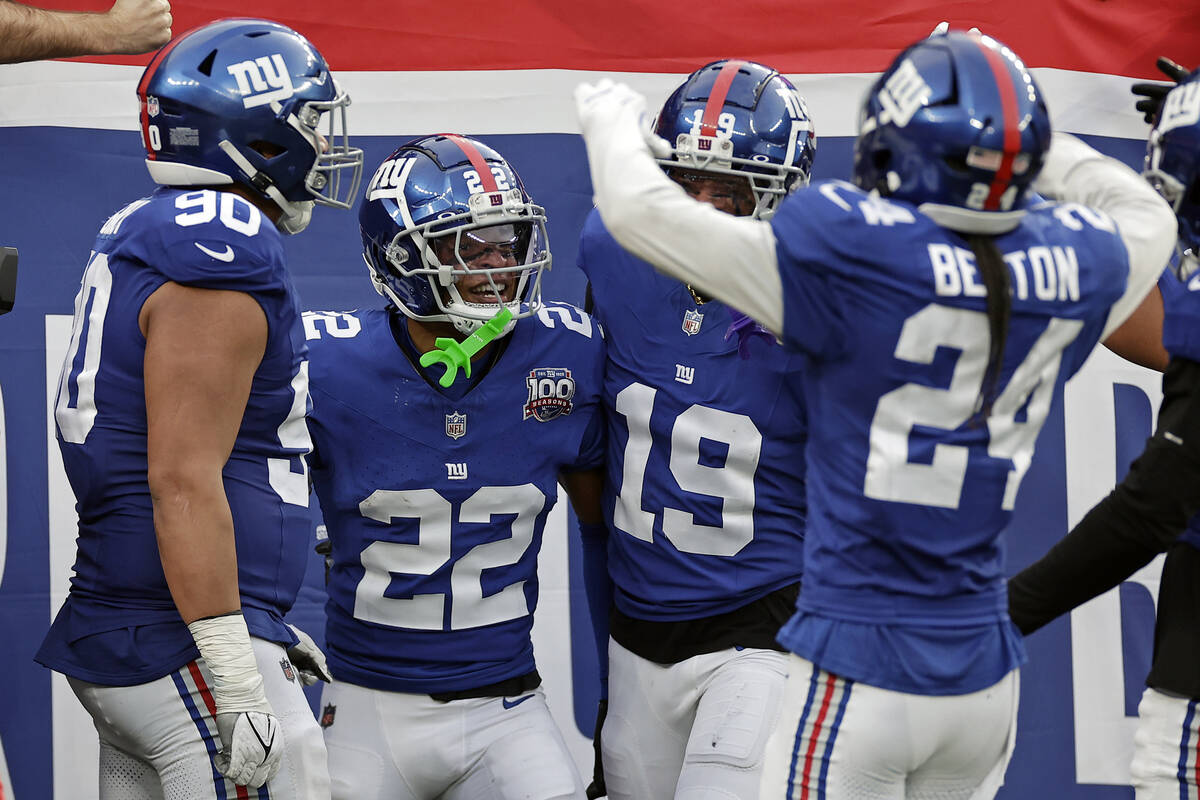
(747, 330)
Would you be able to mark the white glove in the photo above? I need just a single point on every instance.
(606, 108)
(250, 754)
(251, 748)
(308, 659)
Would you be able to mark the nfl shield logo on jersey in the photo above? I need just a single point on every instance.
(456, 425)
(288, 672)
(550, 393)
(691, 322)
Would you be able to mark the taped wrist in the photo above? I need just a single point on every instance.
(224, 644)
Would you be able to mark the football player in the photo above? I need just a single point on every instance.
(436, 485)
(705, 486)
(180, 416)
(1148, 512)
(938, 315)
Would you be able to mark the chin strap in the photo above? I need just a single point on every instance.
(296, 216)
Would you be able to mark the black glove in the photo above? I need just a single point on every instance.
(597, 788)
(1152, 94)
(324, 549)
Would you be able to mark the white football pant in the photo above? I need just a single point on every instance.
(158, 739)
(398, 746)
(1166, 764)
(693, 730)
(841, 740)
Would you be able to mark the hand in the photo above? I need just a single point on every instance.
(250, 754)
(308, 659)
(604, 104)
(1153, 94)
(250, 750)
(138, 26)
(944, 27)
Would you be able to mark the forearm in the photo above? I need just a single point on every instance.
(29, 34)
(1139, 519)
(598, 588)
(194, 528)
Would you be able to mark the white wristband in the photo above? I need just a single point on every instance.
(224, 644)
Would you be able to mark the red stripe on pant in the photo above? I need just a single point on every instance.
(830, 685)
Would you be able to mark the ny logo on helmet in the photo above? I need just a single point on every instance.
(1181, 108)
(903, 95)
(263, 80)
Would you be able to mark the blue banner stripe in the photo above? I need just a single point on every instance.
(186, 695)
(813, 682)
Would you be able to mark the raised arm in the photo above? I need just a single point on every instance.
(1074, 172)
(730, 258)
(130, 26)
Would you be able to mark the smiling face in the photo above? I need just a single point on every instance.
(486, 262)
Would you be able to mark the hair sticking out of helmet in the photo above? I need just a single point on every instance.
(450, 234)
(738, 121)
(957, 126)
(244, 101)
(1173, 164)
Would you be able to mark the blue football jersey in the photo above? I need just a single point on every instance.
(119, 625)
(705, 488)
(909, 489)
(435, 502)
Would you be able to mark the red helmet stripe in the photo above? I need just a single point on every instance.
(477, 161)
(151, 68)
(716, 100)
(1012, 135)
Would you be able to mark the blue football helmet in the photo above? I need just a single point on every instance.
(241, 101)
(449, 232)
(739, 118)
(1173, 163)
(958, 126)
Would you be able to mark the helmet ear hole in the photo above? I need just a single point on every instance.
(267, 149)
(205, 66)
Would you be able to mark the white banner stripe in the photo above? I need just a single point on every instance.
(101, 96)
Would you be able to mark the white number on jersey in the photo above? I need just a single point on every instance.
(292, 487)
(890, 473)
(583, 325)
(236, 213)
(338, 324)
(469, 608)
(733, 483)
(76, 415)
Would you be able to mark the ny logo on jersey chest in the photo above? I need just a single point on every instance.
(456, 471)
(685, 374)
(456, 425)
(691, 322)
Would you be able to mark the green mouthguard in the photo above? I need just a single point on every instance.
(456, 355)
